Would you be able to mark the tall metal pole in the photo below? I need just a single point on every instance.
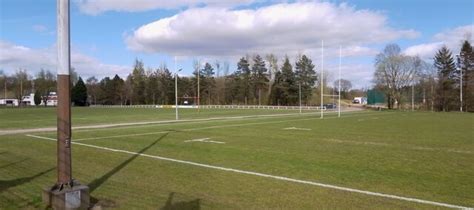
(64, 97)
(322, 77)
(176, 88)
(300, 94)
(339, 88)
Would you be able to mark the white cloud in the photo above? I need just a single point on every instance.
(95, 7)
(452, 38)
(424, 50)
(13, 57)
(281, 28)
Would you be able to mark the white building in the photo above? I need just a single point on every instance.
(52, 99)
(28, 100)
(9, 102)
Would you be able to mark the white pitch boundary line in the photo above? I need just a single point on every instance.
(119, 136)
(200, 120)
(205, 140)
(223, 126)
(383, 144)
(329, 186)
(298, 129)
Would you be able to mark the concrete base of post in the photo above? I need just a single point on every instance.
(69, 198)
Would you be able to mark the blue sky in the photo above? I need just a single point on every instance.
(107, 36)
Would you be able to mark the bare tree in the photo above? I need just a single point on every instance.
(22, 84)
(395, 71)
(92, 87)
(346, 86)
(272, 70)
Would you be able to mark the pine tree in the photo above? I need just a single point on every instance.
(166, 86)
(306, 75)
(259, 77)
(243, 67)
(79, 93)
(467, 68)
(277, 93)
(209, 83)
(37, 97)
(138, 83)
(117, 93)
(444, 63)
(288, 84)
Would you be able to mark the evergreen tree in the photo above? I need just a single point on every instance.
(289, 84)
(209, 83)
(466, 60)
(233, 84)
(277, 93)
(152, 90)
(166, 86)
(117, 94)
(37, 97)
(79, 93)
(259, 77)
(444, 63)
(244, 74)
(306, 76)
(138, 83)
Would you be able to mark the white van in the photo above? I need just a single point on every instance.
(359, 100)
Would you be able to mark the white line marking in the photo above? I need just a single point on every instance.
(394, 145)
(329, 186)
(118, 136)
(295, 128)
(41, 137)
(203, 139)
(218, 126)
(142, 124)
(216, 142)
(206, 140)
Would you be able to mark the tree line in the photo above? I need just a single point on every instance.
(432, 86)
(256, 80)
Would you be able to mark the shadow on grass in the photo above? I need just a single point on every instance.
(14, 163)
(5, 184)
(181, 205)
(98, 182)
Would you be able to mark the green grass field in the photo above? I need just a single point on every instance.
(241, 163)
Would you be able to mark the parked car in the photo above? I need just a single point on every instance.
(330, 106)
